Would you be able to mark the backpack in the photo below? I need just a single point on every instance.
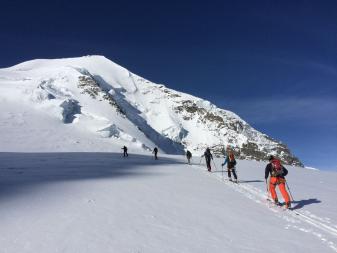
(277, 168)
(231, 160)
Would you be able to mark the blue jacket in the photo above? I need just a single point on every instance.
(225, 161)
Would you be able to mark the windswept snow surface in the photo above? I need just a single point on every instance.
(102, 202)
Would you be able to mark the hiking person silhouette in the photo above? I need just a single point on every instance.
(155, 152)
(208, 156)
(188, 156)
(231, 162)
(125, 150)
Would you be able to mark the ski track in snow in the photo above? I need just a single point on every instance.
(104, 203)
(303, 221)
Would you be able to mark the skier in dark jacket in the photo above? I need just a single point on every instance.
(188, 156)
(277, 174)
(208, 156)
(125, 150)
(155, 152)
(231, 162)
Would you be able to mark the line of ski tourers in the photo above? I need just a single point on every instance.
(275, 171)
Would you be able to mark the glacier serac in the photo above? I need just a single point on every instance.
(92, 104)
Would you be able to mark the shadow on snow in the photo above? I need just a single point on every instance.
(22, 171)
(251, 181)
(304, 202)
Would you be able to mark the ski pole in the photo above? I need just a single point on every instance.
(289, 191)
(200, 160)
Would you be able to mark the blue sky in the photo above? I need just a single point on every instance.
(272, 62)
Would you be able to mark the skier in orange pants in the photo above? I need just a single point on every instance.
(277, 173)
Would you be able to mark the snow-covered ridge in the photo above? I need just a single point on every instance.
(311, 168)
(100, 105)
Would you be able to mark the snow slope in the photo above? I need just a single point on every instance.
(92, 104)
(101, 202)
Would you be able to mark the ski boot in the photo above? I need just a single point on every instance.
(288, 205)
(276, 202)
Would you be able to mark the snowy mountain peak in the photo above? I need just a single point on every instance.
(91, 103)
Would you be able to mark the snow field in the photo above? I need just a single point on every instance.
(102, 202)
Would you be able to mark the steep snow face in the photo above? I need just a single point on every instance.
(59, 106)
(104, 101)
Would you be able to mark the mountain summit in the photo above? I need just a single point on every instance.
(91, 103)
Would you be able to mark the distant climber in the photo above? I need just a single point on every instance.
(277, 177)
(208, 156)
(231, 163)
(125, 150)
(188, 156)
(155, 152)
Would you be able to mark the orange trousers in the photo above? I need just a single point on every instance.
(281, 182)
